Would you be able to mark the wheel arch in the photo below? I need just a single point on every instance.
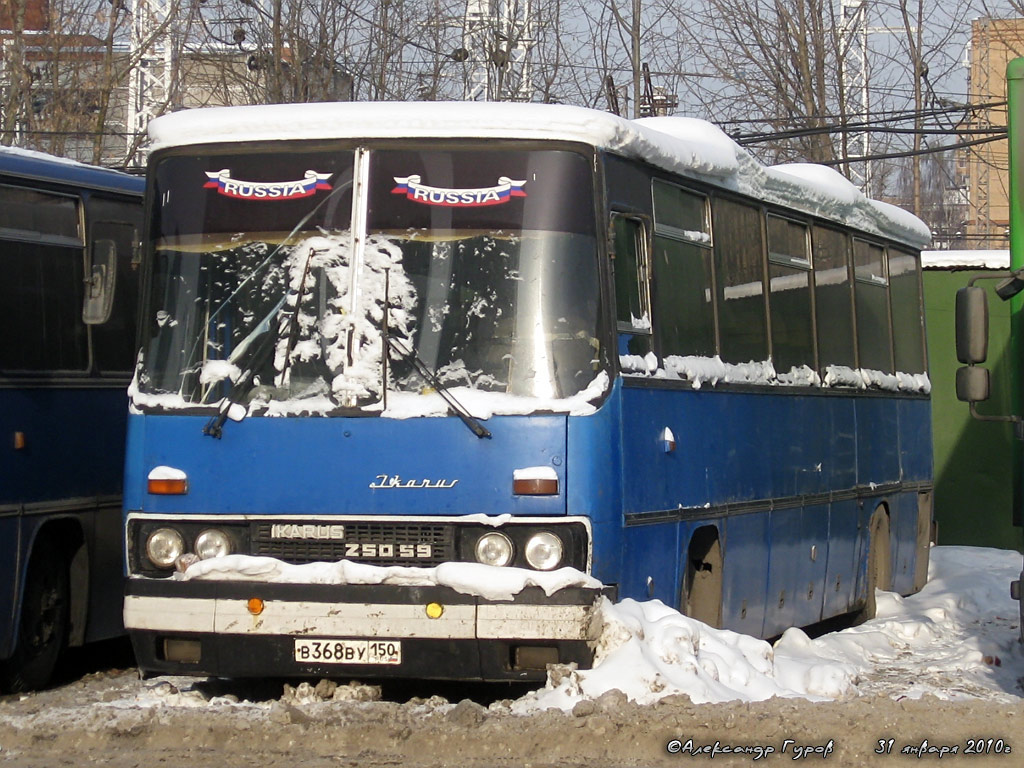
(702, 576)
(66, 535)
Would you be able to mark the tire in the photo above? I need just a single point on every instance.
(879, 568)
(43, 625)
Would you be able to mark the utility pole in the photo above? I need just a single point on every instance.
(149, 83)
(853, 35)
(634, 58)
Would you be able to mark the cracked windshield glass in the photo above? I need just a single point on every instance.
(478, 266)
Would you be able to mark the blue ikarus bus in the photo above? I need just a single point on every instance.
(421, 385)
(69, 236)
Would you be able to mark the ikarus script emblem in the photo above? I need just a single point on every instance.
(394, 481)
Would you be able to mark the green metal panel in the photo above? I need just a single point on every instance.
(1015, 126)
(974, 460)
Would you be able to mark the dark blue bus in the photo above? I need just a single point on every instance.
(421, 385)
(69, 237)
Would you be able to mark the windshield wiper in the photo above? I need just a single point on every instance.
(390, 342)
(240, 388)
(454, 405)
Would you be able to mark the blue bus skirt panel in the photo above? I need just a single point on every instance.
(10, 526)
(345, 466)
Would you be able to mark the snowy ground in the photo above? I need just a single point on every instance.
(956, 639)
(939, 669)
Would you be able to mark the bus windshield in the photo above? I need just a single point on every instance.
(279, 282)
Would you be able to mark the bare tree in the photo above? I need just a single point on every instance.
(775, 64)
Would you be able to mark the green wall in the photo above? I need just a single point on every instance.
(973, 459)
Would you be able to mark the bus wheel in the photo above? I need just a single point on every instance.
(702, 585)
(879, 571)
(43, 628)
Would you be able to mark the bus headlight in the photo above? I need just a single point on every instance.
(164, 546)
(494, 548)
(212, 543)
(544, 551)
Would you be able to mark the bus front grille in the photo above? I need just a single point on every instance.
(374, 543)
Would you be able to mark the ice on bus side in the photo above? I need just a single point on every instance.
(713, 370)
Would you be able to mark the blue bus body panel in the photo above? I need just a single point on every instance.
(72, 465)
(74, 443)
(915, 439)
(748, 563)
(878, 458)
(766, 450)
(846, 521)
(312, 466)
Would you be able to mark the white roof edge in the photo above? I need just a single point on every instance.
(688, 146)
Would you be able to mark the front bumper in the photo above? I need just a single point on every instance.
(472, 639)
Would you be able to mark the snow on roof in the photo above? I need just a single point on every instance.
(28, 163)
(687, 146)
(996, 259)
(31, 153)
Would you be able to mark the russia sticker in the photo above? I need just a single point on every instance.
(502, 192)
(266, 190)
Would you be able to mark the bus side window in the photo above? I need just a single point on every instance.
(789, 283)
(684, 315)
(42, 287)
(113, 334)
(905, 295)
(871, 288)
(632, 290)
(833, 299)
(739, 277)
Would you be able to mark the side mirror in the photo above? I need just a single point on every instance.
(971, 326)
(100, 282)
(972, 384)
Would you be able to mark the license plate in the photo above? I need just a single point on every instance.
(348, 651)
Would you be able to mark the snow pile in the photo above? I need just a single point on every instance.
(486, 581)
(648, 651)
(956, 639)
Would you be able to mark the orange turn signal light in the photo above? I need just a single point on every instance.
(167, 481)
(255, 606)
(535, 486)
(168, 487)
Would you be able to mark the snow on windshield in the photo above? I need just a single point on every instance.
(344, 333)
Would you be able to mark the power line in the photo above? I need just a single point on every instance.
(840, 129)
(912, 153)
(878, 116)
